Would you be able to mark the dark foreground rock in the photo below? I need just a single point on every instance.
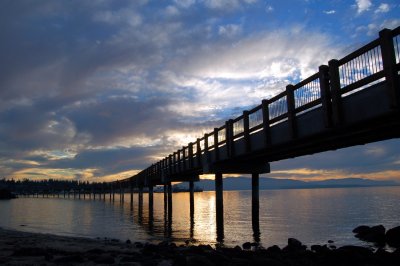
(374, 234)
(393, 237)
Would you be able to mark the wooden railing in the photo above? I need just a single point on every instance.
(372, 63)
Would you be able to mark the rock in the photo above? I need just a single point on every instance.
(138, 245)
(104, 259)
(274, 249)
(294, 243)
(33, 252)
(69, 259)
(246, 245)
(128, 241)
(237, 248)
(375, 234)
(363, 251)
(331, 241)
(362, 229)
(320, 249)
(393, 237)
(95, 251)
(198, 261)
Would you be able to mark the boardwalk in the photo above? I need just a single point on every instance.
(351, 101)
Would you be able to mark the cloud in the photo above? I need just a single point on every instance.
(184, 3)
(383, 8)
(269, 9)
(230, 30)
(363, 5)
(330, 12)
(227, 4)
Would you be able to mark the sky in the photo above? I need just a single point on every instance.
(99, 90)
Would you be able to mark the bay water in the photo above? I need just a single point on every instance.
(313, 216)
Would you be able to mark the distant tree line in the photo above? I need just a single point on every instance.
(27, 186)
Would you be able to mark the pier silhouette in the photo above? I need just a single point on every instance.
(351, 101)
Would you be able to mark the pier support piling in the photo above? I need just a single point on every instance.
(131, 190)
(191, 192)
(219, 206)
(255, 206)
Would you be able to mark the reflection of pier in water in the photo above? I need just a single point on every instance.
(159, 224)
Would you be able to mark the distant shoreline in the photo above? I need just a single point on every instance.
(316, 187)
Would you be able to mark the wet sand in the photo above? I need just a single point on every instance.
(22, 248)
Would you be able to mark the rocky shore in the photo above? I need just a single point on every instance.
(21, 248)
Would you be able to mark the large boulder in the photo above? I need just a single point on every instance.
(393, 237)
(375, 234)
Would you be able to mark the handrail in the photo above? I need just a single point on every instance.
(354, 71)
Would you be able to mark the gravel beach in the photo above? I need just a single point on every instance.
(22, 248)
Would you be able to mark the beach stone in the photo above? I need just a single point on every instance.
(33, 252)
(319, 248)
(138, 245)
(274, 249)
(95, 251)
(104, 259)
(77, 258)
(129, 259)
(237, 248)
(393, 237)
(198, 261)
(246, 245)
(165, 263)
(293, 242)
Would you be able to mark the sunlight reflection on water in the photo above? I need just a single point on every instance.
(314, 216)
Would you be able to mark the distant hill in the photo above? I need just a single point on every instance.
(244, 183)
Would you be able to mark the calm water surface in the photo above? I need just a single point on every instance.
(313, 216)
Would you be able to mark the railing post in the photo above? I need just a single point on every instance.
(216, 148)
(198, 153)
(323, 75)
(229, 139)
(389, 66)
(174, 161)
(184, 158)
(190, 155)
(337, 111)
(266, 124)
(246, 131)
(206, 148)
(291, 111)
(179, 161)
(170, 164)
